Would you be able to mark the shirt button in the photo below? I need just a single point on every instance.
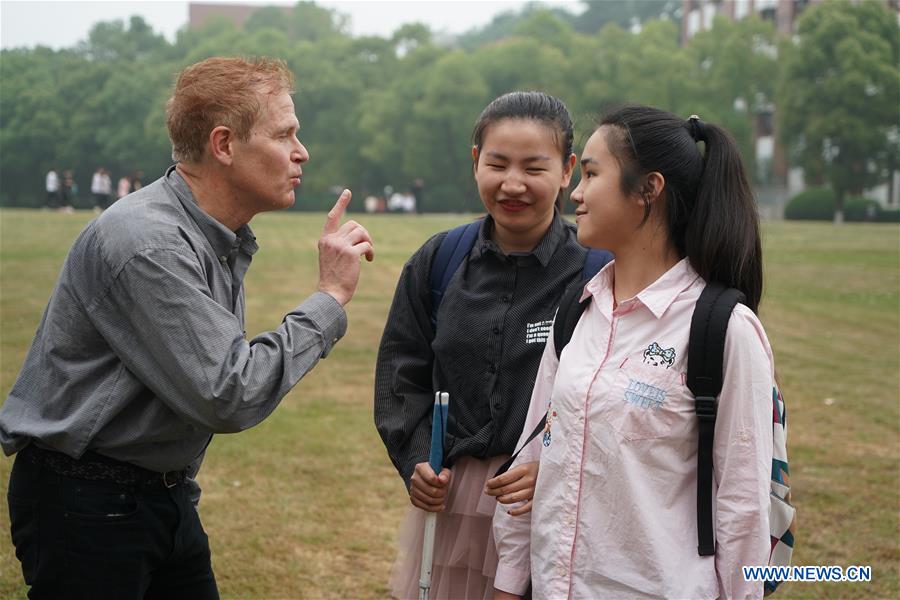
(496, 330)
(223, 259)
(504, 299)
(492, 368)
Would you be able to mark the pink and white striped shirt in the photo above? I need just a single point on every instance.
(615, 505)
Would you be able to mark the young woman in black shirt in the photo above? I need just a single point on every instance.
(485, 348)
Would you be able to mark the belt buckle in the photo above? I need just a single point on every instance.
(165, 478)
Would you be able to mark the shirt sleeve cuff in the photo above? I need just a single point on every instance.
(326, 312)
(511, 580)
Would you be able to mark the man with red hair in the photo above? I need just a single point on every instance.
(141, 355)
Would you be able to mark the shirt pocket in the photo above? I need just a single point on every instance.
(644, 399)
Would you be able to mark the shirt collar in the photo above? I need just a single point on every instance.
(657, 296)
(223, 241)
(660, 294)
(544, 250)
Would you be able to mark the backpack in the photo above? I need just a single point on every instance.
(457, 244)
(706, 348)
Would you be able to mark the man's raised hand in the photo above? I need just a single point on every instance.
(340, 250)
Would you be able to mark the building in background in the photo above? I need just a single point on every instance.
(698, 15)
(200, 13)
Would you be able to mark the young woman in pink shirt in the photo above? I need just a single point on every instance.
(483, 346)
(614, 510)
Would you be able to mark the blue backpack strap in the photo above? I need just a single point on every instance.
(453, 249)
(595, 260)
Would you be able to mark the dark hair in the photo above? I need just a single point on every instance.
(711, 214)
(534, 106)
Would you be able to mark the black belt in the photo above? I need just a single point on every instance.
(95, 467)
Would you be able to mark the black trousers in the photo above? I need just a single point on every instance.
(97, 539)
(101, 200)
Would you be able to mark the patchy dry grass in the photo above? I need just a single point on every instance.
(307, 505)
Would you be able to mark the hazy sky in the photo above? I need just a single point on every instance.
(63, 24)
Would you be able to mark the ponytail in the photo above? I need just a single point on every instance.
(722, 239)
(711, 214)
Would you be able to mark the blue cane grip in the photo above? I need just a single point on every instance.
(438, 426)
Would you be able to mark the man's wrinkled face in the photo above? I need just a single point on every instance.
(267, 167)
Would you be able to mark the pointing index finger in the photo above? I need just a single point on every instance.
(337, 212)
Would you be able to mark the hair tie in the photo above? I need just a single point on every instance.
(696, 128)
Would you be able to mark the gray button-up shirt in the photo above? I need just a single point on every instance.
(141, 353)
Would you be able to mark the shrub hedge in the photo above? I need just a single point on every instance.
(817, 204)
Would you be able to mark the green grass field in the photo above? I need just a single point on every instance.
(307, 505)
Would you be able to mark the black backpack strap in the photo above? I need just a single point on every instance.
(453, 249)
(567, 315)
(505, 466)
(706, 350)
(570, 307)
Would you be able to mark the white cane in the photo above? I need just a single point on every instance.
(436, 460)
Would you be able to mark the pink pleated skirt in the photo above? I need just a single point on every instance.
(465, 558)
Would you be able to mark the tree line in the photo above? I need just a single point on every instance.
(391, 111)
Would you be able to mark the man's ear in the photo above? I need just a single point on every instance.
(221, 145)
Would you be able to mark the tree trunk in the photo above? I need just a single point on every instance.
(839, 207)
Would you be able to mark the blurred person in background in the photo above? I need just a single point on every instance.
(51, 185)
(68, 192)
(123, 187)
(101, 188)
